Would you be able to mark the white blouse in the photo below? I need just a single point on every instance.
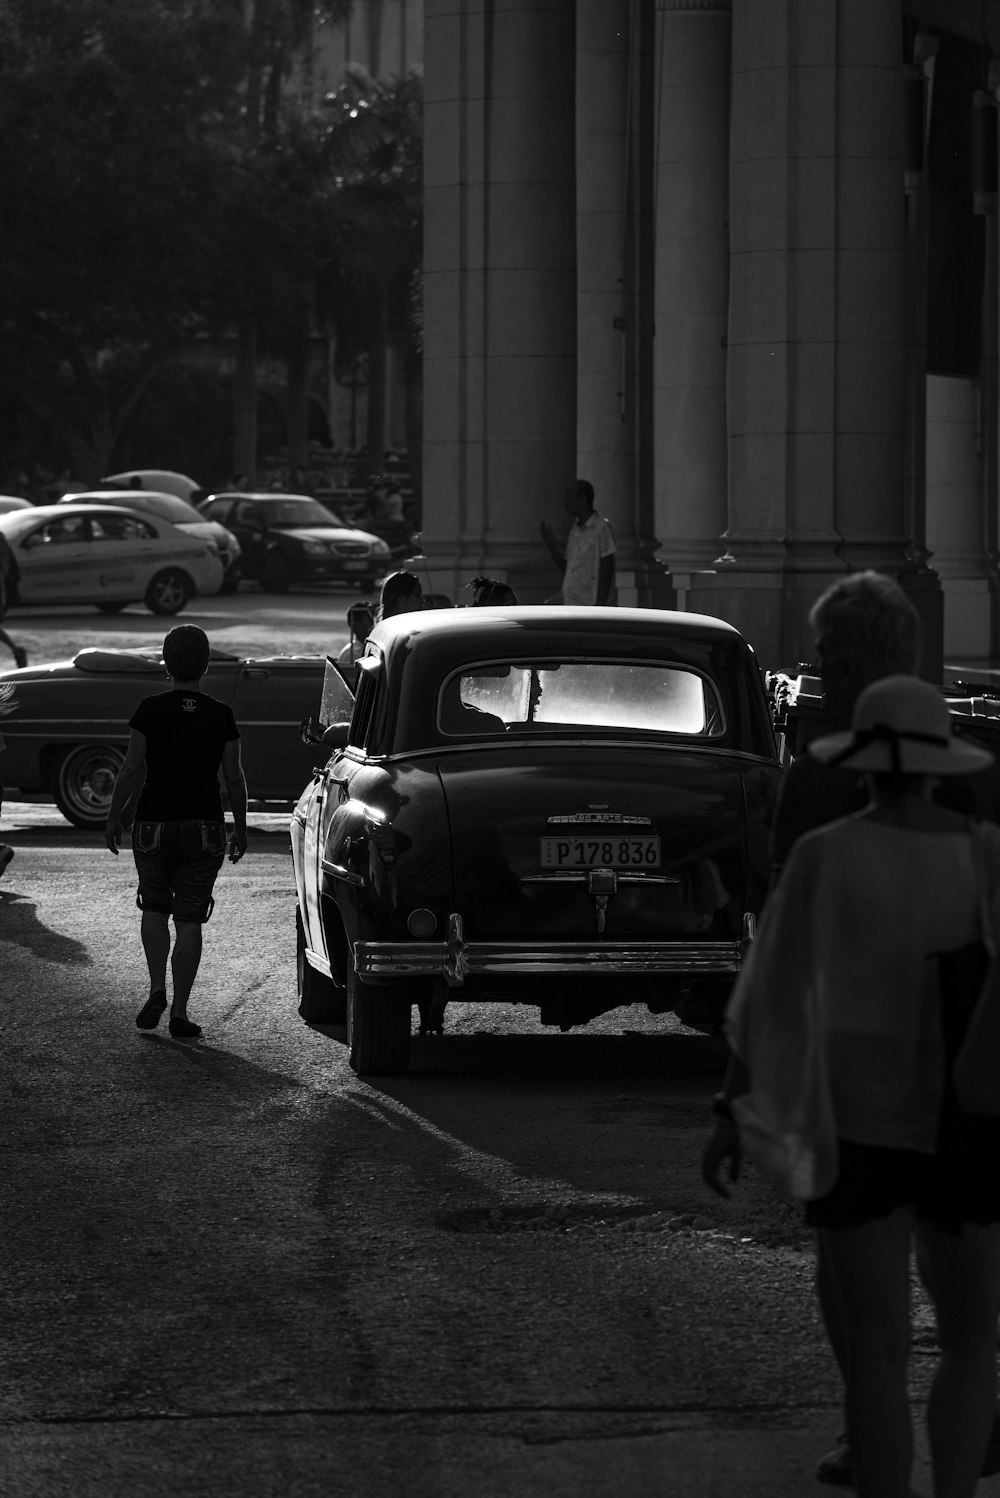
(840, 989)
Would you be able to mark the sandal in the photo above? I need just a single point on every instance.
(183, 1029)
(149, 1015)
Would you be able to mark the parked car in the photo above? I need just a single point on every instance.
(69, 729)
(289, 538)
(161, 480)
(179, 513)
(562, 807)
(99, 554)
(10, 502)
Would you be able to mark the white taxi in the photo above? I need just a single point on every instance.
(103, 555)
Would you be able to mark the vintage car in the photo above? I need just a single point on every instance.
(562, 807)
(100, 554)
(69, 728)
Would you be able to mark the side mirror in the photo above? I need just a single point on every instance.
(336, 735)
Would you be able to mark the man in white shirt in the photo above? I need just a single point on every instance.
(588, 563)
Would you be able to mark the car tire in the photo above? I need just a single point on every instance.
(321, 1002)
(169, 591)
(111, 608)
(276, 574)
(231, 581)
(378, 1026)
(83, 781)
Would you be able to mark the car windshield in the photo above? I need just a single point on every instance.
(286, 513)
(654, 698)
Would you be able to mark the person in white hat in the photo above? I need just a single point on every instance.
(840, 1080)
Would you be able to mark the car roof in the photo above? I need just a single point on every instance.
(259, 494)
(16, 518)
(539, 621)
(117, 496)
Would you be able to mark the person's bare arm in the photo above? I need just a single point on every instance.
(128, 784)
(236, 790)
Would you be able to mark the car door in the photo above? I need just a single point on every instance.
(123, 550)
(273, 695)
(54, 561)
(246, 522)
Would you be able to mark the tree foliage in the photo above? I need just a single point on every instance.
(161, 178)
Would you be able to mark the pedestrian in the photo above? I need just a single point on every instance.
(865, 629)
(178, 741)
(7, 705)
(839, 1082)
(401, 593)
(588, 563)
(8, 577)
(490, 592)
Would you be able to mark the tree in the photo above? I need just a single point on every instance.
(108, 115)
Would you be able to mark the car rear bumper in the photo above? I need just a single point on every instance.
(456, 959)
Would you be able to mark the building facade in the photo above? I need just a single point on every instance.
(735, 261)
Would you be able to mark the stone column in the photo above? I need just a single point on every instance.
(692, 282)
(499, 287)
(614, 59)
(955, 515)
(818, 330)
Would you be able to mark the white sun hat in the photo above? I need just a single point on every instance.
(901, 724)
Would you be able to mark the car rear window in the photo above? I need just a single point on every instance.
(516, 697)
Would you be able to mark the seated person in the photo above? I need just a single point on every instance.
(460, 717)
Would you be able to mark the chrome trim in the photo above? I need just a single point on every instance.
(321, 964)
(600, 819)
(623, 878)
(337, 871)
(456, 960)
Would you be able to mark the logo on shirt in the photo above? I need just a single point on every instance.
(189, 704)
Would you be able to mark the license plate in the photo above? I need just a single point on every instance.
(614, 852)
(355, 566)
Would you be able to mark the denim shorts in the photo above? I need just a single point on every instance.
(177, 863)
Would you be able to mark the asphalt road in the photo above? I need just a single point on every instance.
(230, 1268)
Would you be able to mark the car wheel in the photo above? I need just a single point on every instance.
(276, 575)
(231, 581)
(84, 781)
(378, 1026)
(321, 1002)
(110, 608)
(168, 592)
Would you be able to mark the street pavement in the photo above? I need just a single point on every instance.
(231, 1267)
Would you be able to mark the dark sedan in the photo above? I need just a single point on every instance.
(290, 538)
(553, 806)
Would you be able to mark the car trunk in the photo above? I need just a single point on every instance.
(545, 851)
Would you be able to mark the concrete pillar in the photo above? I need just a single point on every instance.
(955, 528)
(818, 330)
(499, 287)
(614, 68)
(692, 281)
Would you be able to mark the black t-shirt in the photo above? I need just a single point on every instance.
(186, 733)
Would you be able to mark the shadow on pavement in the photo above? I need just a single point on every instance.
(19, 924)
